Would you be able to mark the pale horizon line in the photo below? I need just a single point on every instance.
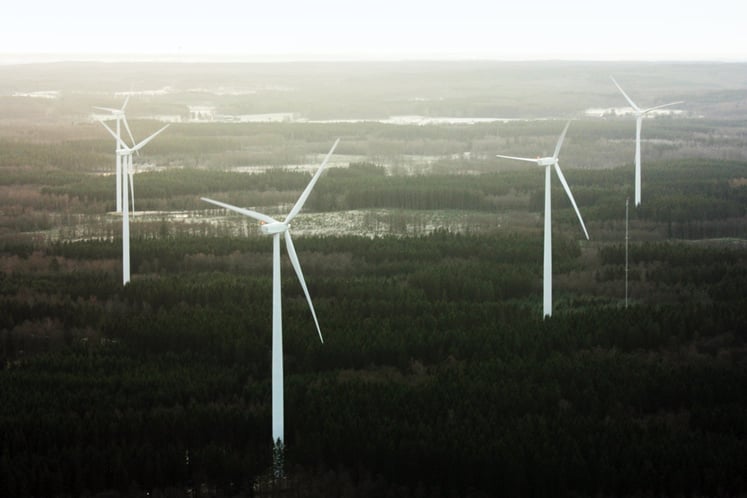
(104, 57)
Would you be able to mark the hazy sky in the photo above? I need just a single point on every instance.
(545, 29)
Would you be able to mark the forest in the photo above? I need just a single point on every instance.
(438, 375)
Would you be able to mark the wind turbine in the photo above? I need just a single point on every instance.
(639, 113)
(119, 115)
(549, 163)
(271, 226)
(124, 156)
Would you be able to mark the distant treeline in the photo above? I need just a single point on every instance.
(592, 143)
(694, 191)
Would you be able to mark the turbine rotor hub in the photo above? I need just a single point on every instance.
(273, 228)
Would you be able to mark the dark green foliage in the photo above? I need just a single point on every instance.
(68, 156)
(173, 183)
(437, 372)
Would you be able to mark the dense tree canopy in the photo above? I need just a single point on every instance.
(437, 372)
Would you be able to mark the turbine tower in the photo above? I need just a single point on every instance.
(124, 156)
(639, 113)
(119, 116)
(549, 163)
(271, 226)
(627, 238)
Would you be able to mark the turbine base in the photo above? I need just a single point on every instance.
(278, 460)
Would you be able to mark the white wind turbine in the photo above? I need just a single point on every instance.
(124, 156)
(271, 226)
(639, 113)
(119, 115)
(549, 163)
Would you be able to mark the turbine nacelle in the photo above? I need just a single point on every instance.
(273, 228)
(546, 161)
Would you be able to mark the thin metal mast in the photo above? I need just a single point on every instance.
(627, 199)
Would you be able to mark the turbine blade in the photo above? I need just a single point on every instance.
(120, 143)
(560, 140)
(630, 101)
(109, 130)
(132, 193)
(518, 158)
(127, 99)
(246, 212)
(570, 196)
(663, 105)
(297, 266)
(145, 142)
(305, 194)
(127, 127)
(108, 109)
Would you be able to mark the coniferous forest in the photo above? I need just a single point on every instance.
(438, 375)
